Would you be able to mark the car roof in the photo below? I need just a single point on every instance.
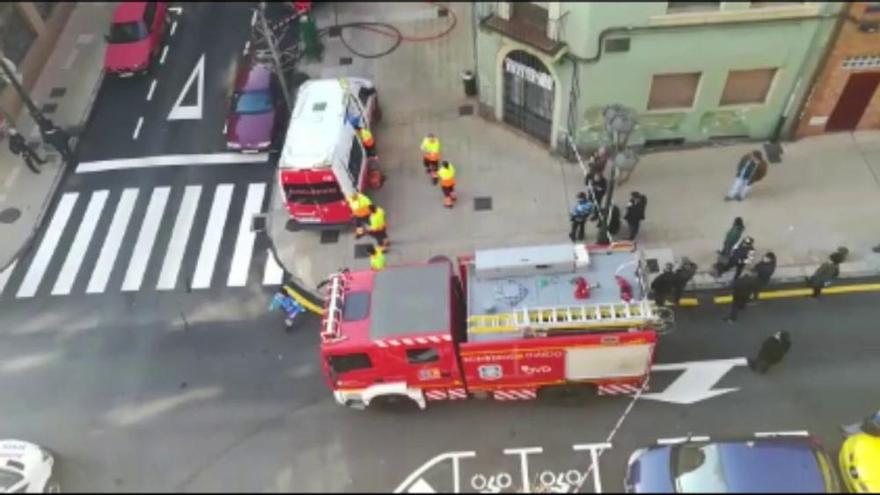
(129, 11)
(772, 465)
(253, 76)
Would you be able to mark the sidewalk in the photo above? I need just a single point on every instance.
(822, 195)
(65, 92)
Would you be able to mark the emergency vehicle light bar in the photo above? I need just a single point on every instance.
(335, 295)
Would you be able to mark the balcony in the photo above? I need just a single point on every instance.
(528, 24)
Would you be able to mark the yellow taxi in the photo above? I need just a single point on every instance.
(860, 463)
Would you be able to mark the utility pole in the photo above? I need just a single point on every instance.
(9, 75)
(270, 40)
(619, 124)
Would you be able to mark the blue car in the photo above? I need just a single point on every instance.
(768, 463)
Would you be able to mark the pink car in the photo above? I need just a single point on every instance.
(135, 37)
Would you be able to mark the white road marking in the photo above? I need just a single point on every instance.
(152, 88)
(213, 235)
(244, 243)
(5, 274)
(224, 133)
(254, 18)
(191, 112)
(137, 128)
(137, 264)
(176, 10)
(171, 160)
(273, 273)
(164, 54)
(173, 27)
(107, 257)
(13, 175)
(179, 237)
(77, 252)
(41, 260)
(247, 47)
(695, 384)
(416, 475)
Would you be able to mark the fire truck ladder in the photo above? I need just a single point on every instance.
(333, 316)
(540, 320)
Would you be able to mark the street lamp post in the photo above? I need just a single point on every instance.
(270, 40)
(619, 124)
(25, 97)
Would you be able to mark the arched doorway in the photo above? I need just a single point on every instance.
(528, 94)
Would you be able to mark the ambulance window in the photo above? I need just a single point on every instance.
(307, 194)
(355, 160)
(424, 355)
(349, 362)
(356, 306)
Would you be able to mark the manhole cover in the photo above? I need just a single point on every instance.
(362, 251)
(483, 203)
(329, 236)
(10, 215)
(466, 110)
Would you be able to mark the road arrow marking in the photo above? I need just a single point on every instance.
(695, 384)
(176, 10)
(191, 112)
(415, 481)
(421, 486)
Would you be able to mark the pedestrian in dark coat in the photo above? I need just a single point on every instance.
(600, 186)
(635, 212)
(743, 254)
(18, 146)
(743, 287)
(664, 285)
(683, 274)
(826, 273)
(732, 236)
(579, 214)
(57, 138)
(772, 351)
(763, 271)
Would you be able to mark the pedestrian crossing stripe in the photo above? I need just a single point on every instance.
(71, 239)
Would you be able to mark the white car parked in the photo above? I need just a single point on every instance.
(26, 468)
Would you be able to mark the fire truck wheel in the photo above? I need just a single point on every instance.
(394, 403)
(570, 393)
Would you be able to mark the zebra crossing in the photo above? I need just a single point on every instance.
(149, 238)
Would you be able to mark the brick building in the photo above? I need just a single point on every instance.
(28, 32)
(844, 96)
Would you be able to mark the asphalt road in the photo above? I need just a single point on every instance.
(133, 398)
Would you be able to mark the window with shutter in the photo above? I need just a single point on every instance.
(673, 90)
(747, 86)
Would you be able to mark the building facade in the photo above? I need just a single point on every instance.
(844, 96)
(693, 72)
(28, 32)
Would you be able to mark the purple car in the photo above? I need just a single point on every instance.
(255, 113)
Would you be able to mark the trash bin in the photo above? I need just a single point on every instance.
(470, 83)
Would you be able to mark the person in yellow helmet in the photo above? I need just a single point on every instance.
(360, 212)
(367, 140)
(377, 226)
(431, 155)
(377, 258)
(447, 183)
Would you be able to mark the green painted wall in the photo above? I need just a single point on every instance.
(794, 47)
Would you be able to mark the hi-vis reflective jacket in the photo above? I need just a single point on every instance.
(360, 205)
(431, 148)
(447, 176)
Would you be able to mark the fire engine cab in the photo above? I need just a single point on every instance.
(323, 159)
(510, 324)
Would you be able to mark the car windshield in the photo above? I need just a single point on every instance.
(698, 469)
(127, 32)
(8, 479)
(253, 102)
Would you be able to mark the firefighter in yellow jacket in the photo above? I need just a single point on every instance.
(447, 183)
(366, 137)
(377, 226)
(360, 211)
(377, 258)
(431, 155)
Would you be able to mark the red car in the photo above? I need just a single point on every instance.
(135, 37)
(256, 111)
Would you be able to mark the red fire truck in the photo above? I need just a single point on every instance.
(323, 160)
(510, 324)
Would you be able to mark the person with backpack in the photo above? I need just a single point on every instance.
(683, 274)
(748, 171)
